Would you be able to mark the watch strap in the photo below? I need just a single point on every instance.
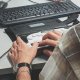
(23, 65)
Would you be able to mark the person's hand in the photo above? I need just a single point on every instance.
(21, 52)
(51, 39)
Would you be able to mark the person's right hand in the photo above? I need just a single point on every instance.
(51, 39)
(21, 52)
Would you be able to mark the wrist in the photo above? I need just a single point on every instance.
(21, 66)
(22, 73)
(25, 60)
(25, 68)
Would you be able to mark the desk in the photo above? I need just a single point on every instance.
(5, 42)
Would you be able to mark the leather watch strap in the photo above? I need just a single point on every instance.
(23, 64)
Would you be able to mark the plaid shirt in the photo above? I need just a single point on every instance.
(64, 63)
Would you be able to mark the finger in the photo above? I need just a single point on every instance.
(14, 45)
(47, 52)
(14, 52)
(48, 42)
(11, 56)
(20, 43)
(57, 32)
(50, 35)
(11, 50)
(19, 40)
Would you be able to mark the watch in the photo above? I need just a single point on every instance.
(17, 66)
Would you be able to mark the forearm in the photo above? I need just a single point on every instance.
(23, 74)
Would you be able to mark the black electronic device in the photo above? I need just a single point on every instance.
(37, 12)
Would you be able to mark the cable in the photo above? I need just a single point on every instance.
(5, 4)
(33, 1)
(5, 53)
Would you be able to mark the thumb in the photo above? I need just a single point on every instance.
(35, 45)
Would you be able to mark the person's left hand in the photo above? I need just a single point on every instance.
(21, 52)
(51, 39)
